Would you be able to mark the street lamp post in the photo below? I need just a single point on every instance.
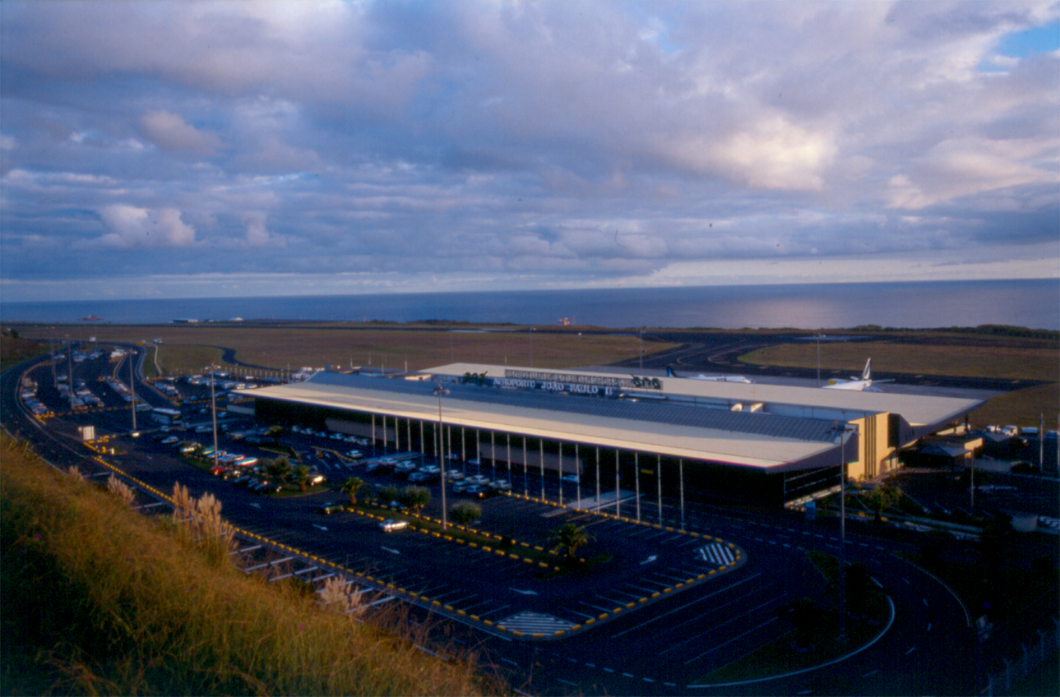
(818, 336)
(213, 410)
(843, 432)
(439, 391)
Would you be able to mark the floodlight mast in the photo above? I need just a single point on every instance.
(213, 410)
(439, 391)
(844, 431)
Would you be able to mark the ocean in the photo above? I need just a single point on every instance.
(1034, 304)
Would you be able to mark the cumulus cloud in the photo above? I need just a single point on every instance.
(141, 228)
(568, 141)
(169, 132)
(257, 233)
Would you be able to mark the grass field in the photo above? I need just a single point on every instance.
(187, 348)
(999, 357)
(1015, 359)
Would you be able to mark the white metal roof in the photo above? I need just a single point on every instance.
(792, 430)
(374, 395)
(807, 402)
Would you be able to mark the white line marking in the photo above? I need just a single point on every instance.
(911, 650)
(392, 551)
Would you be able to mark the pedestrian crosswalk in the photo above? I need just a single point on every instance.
(534, 623)
(716, 553)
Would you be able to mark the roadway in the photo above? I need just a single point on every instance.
(668, 646)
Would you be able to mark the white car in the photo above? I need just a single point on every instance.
(454, 475)
(500, 485)
(478, 479)
(392, 525)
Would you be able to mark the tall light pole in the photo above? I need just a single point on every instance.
(213, 410)
(843, 437)
(439, 391)
(132, 380)
(818, 336)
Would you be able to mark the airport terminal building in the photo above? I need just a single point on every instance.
(760, 442)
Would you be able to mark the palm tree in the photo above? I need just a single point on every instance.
(275, 432)
(301, 474)
(569, 538)
(880, 499)
(351, 487)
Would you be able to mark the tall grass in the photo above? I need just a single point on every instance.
(97, 599)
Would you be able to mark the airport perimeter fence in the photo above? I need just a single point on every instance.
(1023, 663)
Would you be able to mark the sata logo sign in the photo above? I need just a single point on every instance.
(646, 383)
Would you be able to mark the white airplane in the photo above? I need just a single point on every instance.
(717, 378)
(862, 384)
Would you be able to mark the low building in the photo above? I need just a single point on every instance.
(652, 434)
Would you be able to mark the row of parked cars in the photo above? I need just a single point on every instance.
(256, 478)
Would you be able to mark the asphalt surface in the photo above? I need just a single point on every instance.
(667, 645)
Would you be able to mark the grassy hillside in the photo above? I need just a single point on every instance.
(15, 348)
(97, 599)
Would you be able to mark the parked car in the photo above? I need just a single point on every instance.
(332, 507)
(393, 525)
(454, 475)
(571, 478)
(500, 485)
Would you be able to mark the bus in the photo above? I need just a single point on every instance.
(167, 417)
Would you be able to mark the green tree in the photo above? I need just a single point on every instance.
(351, 487)
(280, 468)
(415, 498)
(857, 581)
(805, 615)
(880, 499)
(568, 538)
(301, 475)
(465, 513)
(387, 495)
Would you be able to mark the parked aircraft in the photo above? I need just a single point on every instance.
(717, 378)
(862, 384)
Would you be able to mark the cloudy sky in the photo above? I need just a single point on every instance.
(153, 149)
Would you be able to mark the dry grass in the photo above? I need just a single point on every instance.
(100, 600)
(186, 349)
(995, 358)
(1000, 361)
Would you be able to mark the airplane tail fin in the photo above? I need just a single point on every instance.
(867, 373)
(670, 372)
